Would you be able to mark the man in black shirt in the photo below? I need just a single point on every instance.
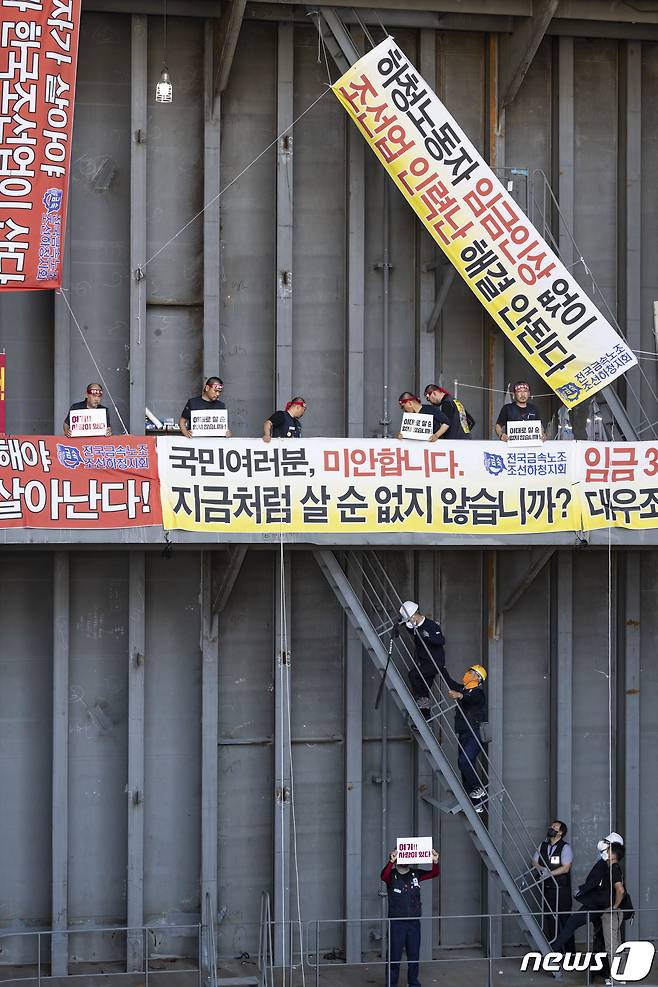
(602, 892)
(470, 713)
(285, 424)
(520, 410)
(411, 405)
(91, 402)
(208, 400)
(404, 911)
(461, 423)
(430, 653)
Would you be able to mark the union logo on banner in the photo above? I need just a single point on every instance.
(38, 58)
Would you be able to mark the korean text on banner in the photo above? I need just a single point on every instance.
(3, 372)
(511, 270)
(38, 58)
(414, 850)
(618, 484)
(46, 482)
(360, 485)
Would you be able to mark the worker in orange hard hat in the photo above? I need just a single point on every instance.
(470, 713)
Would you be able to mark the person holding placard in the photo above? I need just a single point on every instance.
(96, 423)
(411, 405)
(404, 911)
(285, 424)
(461, 423)
(520, 410)
(208, 401)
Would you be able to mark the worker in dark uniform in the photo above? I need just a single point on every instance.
(461, 423)
(404, 910)
(91, 402)
(553, 860)
(470, 713)
(411, 405)
(285, 424)
(208, 400)
(520, 410)
(594, 895)
(430, 653)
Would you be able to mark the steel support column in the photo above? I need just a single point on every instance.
(630, 217)
(521, 47)
(282, 805)
(355, 276)
(60, 793)
(138, 121)
(422, 768)
(564, 688)
(353, 790)
(136, 658)
(62, 345)
(566, 149)
(427, 251)
(494, 340)
(209, 645)
(632, 779)
(284, 213)
(211, 216)
(494, 667)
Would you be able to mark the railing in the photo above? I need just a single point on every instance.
(265, 948)
(382, 601)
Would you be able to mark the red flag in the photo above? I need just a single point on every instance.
(38, 59)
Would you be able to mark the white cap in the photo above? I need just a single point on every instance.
(614, 838)
(407, 610)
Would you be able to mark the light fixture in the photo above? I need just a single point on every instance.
(164, 91)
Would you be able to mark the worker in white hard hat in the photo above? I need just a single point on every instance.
(470, 713)
(430, 653)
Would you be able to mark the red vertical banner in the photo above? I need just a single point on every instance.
(38, 60)
(3, 373)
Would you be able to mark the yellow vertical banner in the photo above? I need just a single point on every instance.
(511, 270)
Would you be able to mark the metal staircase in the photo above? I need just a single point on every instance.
(371, 602)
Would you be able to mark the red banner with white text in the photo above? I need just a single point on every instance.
(38, 59)
(3, 377)
(48, 482)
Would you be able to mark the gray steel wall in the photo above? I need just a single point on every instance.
(48, 367)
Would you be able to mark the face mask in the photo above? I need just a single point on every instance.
(470, 680)
(601, 846)
(604, 855)
(550, 833)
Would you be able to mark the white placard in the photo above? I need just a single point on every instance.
(209, 423)
(88, 421)
(414, 850)
(524, 433)
(417, 427)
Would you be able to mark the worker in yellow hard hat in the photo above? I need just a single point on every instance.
(470, 713)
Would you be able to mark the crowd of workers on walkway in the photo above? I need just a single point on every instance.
(450, 418)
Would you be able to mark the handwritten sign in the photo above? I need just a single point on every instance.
(524, 433)
(209, 423)
(88, 421)
(417, 427)
(414, 850)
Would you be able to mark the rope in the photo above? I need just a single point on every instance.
(62, 292)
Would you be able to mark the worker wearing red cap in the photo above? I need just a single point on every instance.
(461, 423)
(285, 424)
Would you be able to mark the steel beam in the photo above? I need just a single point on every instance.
(566, 149)
(282, 803)
(339, 43)
(353, 789)
(138, 123)
(521, 48)
(632, 724)
(135, 787)
(564, 688)
(211, 215)
(284, 214)
(494, 665)
(224, 583)
(209, 645)
(539, 557)
(228, 32)
(355, 276)
(448, 273)
(60, 792)
(495, 155)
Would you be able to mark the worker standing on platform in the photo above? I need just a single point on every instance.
(208, 400)
(520, 410)
(285, 424)
(553, 860)
(461, 423)
(404, 911)
(430, 653)
(411, 405)
(92, 402)
(470, 713)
